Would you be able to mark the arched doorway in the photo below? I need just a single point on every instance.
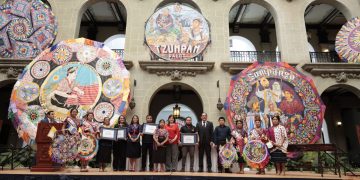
(102, 19)
(323, 22)
(185, 112)
(172, 93)
(8, 134)
(342, 118)
(255, 22)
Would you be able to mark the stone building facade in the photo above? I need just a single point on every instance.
(338, 83)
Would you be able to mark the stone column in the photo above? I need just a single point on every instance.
(291, 31)
(68, 14)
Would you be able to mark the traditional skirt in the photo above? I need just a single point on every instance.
(159, 153)
(278, 156)
(240, 158)
(133, 149)
(104, 153)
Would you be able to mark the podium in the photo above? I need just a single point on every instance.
(43, 143)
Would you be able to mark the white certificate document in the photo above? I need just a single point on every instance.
(150, 128)
(188, 139)
(121, 134)
(107, 133)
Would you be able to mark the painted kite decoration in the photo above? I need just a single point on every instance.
(177, 32)
(76, 73)
(347, 43)
(271, 88)
(27, 27)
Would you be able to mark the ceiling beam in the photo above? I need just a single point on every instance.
(240, 13)
(117, 14)
(308, 10)
(90, 17)
(330, 17)
(267, 19)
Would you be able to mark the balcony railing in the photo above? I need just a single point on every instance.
(120, 52)
(324, 57)
(251, 56)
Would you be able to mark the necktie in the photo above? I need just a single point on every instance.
(204, 123)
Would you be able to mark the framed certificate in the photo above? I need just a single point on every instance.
(149, 128)
(121, 134)
(189, 139)
(108, 133)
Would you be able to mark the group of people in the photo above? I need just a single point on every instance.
(163, 146)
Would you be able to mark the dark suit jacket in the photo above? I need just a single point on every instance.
(205, 133)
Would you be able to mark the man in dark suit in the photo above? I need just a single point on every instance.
(205, 130)
(50, 115)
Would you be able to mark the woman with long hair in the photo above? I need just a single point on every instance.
(172, 149)
(119, 148)
(133, 148)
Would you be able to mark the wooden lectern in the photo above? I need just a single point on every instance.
(43, 143)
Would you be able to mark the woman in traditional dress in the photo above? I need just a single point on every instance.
(259, 133)
(239, 138)
(105, 146)
(160, 137)
(278, 137)
(119, 148)
(88, 127)
(65, 145)
(71, 123)
(133, 148)
(172, 148)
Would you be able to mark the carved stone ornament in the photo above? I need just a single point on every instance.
(176, 74)
(341, 77)
(341, 72)
(11, 72)
(176, 70)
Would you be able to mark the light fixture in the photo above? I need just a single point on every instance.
(176, 111)
(219, 105)
(339, 123)
(132, 103)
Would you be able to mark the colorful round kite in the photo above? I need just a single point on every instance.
(347, 43)
(77, 73)
(64, 148)
(88, 147)
(256, 154)
(268, 89)
(27, 27)
(177, 32)
(227, 155)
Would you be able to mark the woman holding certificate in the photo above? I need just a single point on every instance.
(160, 137)
(105, 146)
(119, 147)
(172, 149)
(133, 148)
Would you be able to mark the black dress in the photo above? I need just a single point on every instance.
(104, 153)
(159, 153)
(119, 153)
(133, 149)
